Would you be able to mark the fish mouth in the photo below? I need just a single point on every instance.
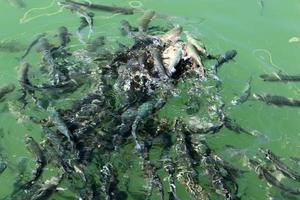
(257, 96)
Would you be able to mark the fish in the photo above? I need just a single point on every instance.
(94, 45)
(238, 100)
(261, 4)
(25, 83)
(279, 165)
(272, 180)
(6, 89)
(63, 36)
(127, 29)
(60, 125)
(32, 44)
(34, 148)
(86, 17)
(158, 65)
(87, 21)
(174, 59)
(105, 8)
(47, 49)
(11, 46)
(226, 57)
(145, 20)
(3, 164)
(193, 53)
(172, 35)
(235, 127)
(17, 3)
(47, 189)
(280, 77)
(198, 45)
(277, 100)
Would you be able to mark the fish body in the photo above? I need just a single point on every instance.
(158, 64)
(18, 3)
(192, 52)
(63, 36)
(34, 148)
(172, 35)
(277, 100)
(272, 180)
(6, 89)
(59, 123)
(234, 126)
(279, 77)
(198, 45)
(46, 49)
(227, 56)
(145, 20)
(237, 100)
(32, 44)
(279, 165)
(105, 8)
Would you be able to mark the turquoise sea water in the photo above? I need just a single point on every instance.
(260, 31)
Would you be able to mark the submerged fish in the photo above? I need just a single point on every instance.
(145, 20)
(11, 46)
(34, 148)
(32, 44)
(272, 180)
(279, 165)
(277, 100)
(280, 77)
(17, 3)
(105, 8)
(227, 56)
(237, 100)
(74, 7)
(6, 89)
(59, 123)
(63, 36)
(235, 127)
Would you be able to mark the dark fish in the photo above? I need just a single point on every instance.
(234, 126)
(277, 100)
(280, 77)
(34, 148)
(3, 164)
(26, 85)
(46, 49)
(86, 17)
(158, 65)
(94, 45)
(264, 173)
(32, 44)
(87, 21)
(229, 55)
(279, 165)
(145, 20)
(60, 125)
(244, 95)
(105, 8)
(127, 29)
(6, 89)
(63, 36)
(11, 46)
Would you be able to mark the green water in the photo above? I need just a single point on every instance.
(259, 34)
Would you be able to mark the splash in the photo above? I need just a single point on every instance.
(27, 18)
(135, 4)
